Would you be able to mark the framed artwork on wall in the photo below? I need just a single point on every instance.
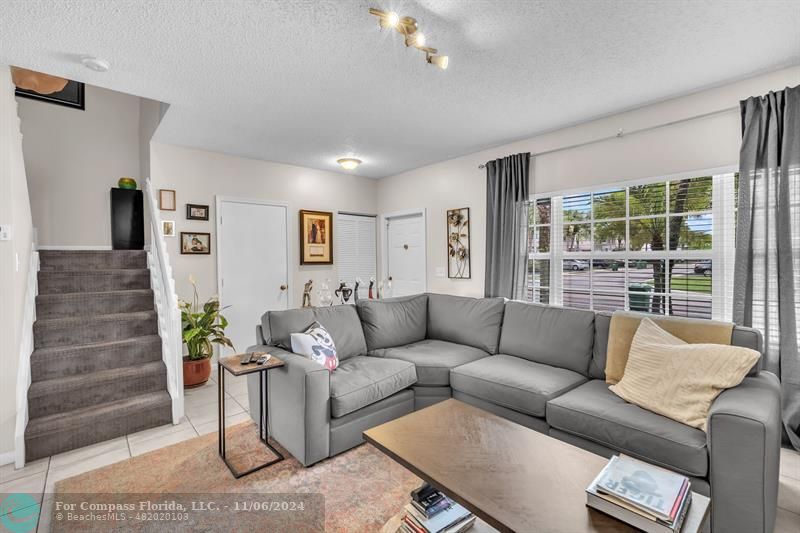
(47, 88)
(316, 237)
(458, 242)
(166, 200)
(196, 212)
(195, 243)
(168, 228)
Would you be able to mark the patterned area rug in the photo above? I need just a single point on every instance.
(362, 488)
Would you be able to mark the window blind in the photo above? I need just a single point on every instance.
(355, 252)
(660, 246)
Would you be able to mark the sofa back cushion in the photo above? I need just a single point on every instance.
(394, 321)
(341, 321)
(741, 336)
(471, 321)
(554, 336)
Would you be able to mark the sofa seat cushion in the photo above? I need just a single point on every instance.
(595, 413)
(434, 359)
(362, 380)
(514, 382)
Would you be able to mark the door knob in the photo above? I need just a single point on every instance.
(283, 287)
(405, 247)
(390, 278)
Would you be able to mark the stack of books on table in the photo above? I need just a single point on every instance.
(430, 511)
(648, 497)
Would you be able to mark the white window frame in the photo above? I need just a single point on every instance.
(721, 252)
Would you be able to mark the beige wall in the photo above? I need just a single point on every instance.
(197, 176)
(14, 258)
(73, 158)
(700, 143)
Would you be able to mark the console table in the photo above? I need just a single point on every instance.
(231, 364)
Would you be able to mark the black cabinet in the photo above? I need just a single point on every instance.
(127, 219)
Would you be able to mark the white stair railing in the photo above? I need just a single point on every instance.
(166, 301)
(25, 351)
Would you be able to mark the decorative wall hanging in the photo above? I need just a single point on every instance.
(195, 243)
(316, 237)
(168, 228)
(458, 262)
(196, 212)
(166, 200)
(47, 88)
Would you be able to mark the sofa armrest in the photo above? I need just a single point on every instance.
(299, 404)
(744, 439)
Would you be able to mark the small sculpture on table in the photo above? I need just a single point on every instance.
(324, 294)
(355, 290)
(307, 293)
(371, 296)
(343, 292)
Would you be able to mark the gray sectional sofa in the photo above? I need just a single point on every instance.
(537, 365)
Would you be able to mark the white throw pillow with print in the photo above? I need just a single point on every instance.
(316, 344)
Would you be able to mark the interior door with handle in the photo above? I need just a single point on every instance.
(253, 264)
(405, 254)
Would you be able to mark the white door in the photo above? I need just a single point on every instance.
(252, 261)
(405, 254)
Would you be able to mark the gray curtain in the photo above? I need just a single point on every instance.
(767, 270)
(506, 225)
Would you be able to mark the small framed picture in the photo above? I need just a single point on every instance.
(168, 228)
(316, 237)
(196, 212)
(166, 199)
(195, 243)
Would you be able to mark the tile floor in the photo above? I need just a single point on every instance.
(200, 405)
(40, 477)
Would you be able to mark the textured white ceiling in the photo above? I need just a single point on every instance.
(307, 81)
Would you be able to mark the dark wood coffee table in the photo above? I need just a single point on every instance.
(512, 477)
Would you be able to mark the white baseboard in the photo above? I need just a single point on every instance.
(99, 247)
(6, 458)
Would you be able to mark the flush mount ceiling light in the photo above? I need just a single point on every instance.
(407, 27)
(348, 163)
(96, 64)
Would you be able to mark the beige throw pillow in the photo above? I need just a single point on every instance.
(625, 323)
(673, 378)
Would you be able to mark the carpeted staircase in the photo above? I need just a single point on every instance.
(96, 369)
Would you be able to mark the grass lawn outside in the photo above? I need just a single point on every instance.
(688, 282)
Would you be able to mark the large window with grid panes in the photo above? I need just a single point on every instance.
(662, 245)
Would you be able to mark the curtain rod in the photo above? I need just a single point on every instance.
(622, 133)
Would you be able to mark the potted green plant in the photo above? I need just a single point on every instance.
(201, 326)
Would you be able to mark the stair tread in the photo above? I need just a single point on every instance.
(54, 350)
(63, 384)
(66, 295)
(80, 417)
(83, 319)
(92, 271)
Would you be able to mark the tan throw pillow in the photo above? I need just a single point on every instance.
(679, 380)
(624, 324)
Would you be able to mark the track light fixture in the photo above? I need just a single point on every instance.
(407, 27)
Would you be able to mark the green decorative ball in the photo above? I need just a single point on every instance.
(127, 183)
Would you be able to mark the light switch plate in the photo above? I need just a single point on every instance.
(5, 232)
